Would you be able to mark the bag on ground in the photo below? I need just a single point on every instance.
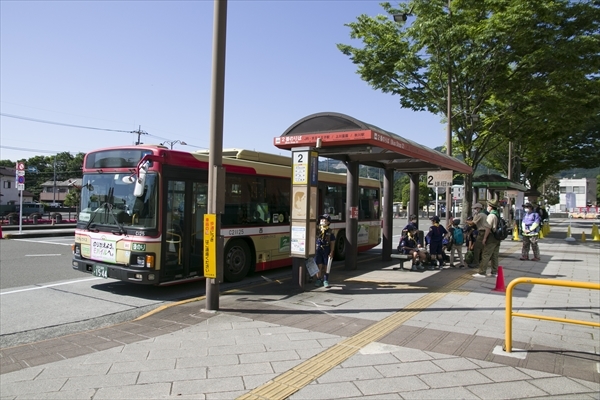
(469, 257)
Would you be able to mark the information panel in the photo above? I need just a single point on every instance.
(304, 202)
(210, 245)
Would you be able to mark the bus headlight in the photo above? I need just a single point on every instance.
(141, 260)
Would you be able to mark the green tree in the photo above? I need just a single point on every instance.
(424, 193)
(500, 57)
(399, 184)
(67, 166)
(551, 191)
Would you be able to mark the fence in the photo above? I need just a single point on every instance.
(538, 281)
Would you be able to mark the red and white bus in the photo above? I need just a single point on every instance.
(148, 229)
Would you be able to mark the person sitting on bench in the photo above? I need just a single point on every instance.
(410, 245)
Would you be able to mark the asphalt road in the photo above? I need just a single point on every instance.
(42, 297)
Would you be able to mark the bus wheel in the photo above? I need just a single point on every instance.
(237, 260)
(340, 246)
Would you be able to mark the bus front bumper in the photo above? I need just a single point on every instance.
(103, 270)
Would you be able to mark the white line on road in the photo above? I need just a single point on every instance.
(47, 286)
(41, 255)
(43, 241)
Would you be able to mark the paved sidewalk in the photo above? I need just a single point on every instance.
(377, 333)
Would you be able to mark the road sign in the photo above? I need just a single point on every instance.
(20, 186)
(439, 178)
(20, 166)
(21, 179)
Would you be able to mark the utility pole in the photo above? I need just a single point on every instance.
(54, 188)
(139, 133)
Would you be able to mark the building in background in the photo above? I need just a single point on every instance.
(583, 192)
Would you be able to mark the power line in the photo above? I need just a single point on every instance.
(139, 131)
(32, 150)
(63, 124)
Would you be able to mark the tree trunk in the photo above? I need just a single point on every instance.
(467, 199)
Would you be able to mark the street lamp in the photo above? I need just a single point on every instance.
(173, 142)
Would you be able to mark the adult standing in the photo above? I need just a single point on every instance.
(519, 214)
(531, 230)
(479, 223)
(491, 245)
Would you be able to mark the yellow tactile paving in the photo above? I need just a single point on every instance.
(295, 379)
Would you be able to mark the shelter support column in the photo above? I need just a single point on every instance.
(414, 195)
(351, 215)
(388, 212)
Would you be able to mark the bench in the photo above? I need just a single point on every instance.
(403, 258)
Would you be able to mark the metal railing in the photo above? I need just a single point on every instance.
(538, 281)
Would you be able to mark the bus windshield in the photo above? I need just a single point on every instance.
(107, 200)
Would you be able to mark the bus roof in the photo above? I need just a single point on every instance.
(251, 155)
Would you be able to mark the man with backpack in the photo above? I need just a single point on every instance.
(491, 245)
(457, 239)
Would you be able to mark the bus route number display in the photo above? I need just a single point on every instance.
(300, 168)
(210, 246)
(439, 178)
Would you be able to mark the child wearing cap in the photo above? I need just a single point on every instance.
(436, 236)
(324, 250)
(410, 245)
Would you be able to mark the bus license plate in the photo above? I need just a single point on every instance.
(100, 270)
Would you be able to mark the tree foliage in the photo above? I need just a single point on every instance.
(67, 166)
(519, 70)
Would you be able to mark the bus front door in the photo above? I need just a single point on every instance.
(186, 206)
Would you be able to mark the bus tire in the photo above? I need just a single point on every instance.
(340, 246)
(238, 259)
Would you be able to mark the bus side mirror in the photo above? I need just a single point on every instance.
(138, 191)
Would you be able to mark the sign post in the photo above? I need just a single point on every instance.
(20, 179)
(305, 172)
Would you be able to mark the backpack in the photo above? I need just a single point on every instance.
(457, 236)
(501, 231)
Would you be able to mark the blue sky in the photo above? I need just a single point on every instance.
(123, 64)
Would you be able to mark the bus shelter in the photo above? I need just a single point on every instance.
(354, 142)
(508, 192)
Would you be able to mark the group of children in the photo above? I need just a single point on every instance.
(430, 251)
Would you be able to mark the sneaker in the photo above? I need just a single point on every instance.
(414, 267)
(535, 259)
(524, 258)
(478, 275)
(461, 266)
(325, 284)
(494, 275)
(318, 283)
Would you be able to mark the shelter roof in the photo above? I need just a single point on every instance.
(346, 138)
(498, 182)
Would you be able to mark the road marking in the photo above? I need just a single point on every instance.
(42, 241)
(41, 255)
(48, 286)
